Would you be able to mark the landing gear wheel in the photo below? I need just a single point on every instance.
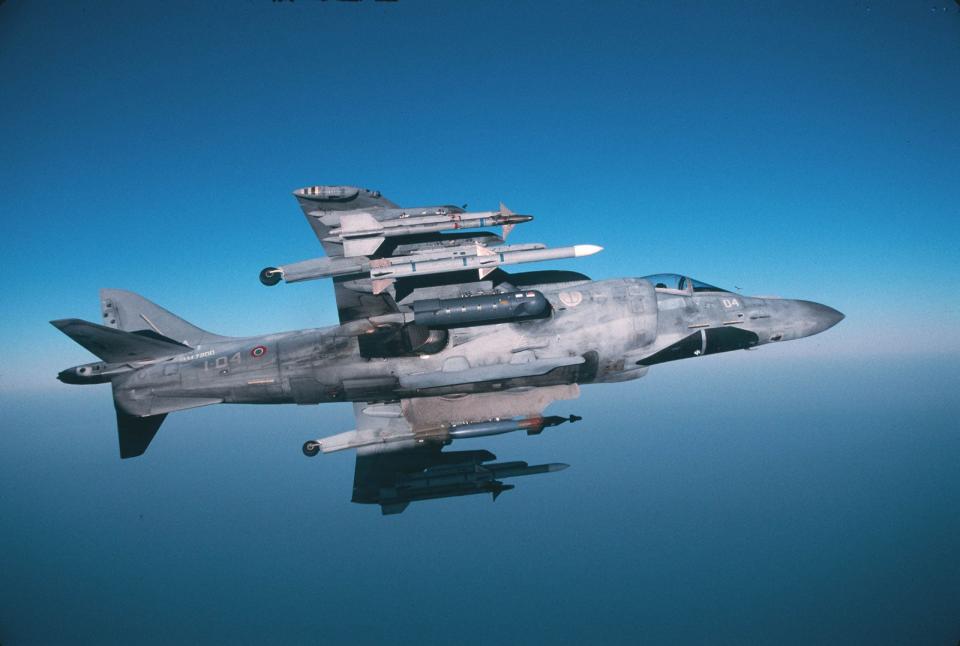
(311, 448)
(270, 276)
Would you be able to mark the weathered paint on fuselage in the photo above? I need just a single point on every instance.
(613, 329)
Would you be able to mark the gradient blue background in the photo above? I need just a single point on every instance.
(804, 493)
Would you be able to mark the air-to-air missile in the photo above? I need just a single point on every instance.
(362, 234)
(362, 228)
(383, 271)
(439, 434)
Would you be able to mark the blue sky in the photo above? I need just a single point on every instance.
(803, 493)
(806, 151)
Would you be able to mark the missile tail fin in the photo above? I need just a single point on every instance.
(381, 284)
(392, 508)
(362, 246)
(499, 489)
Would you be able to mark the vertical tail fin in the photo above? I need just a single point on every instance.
(133, 313)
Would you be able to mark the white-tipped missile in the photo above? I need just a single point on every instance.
(586, 250)
(384, 271)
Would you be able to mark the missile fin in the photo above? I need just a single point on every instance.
(380, 284)
(507, 228)
(361, 246)
(498, 488)
(485, 271)
(359, 222)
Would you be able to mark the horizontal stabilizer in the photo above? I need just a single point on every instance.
(117, 346)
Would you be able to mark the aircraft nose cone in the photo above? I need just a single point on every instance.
(821, 317)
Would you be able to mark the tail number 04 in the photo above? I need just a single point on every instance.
(730, 302)
(221, 362)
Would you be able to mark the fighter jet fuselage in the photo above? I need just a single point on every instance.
(589, 332)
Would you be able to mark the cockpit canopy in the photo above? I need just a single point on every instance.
(678, 283)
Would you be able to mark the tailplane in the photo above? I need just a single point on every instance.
(117, 346)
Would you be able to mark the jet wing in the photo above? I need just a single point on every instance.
(399, 446)
(322, 205)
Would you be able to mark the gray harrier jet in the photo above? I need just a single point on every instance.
(435, 343)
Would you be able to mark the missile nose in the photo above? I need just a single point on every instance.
(586, 250)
